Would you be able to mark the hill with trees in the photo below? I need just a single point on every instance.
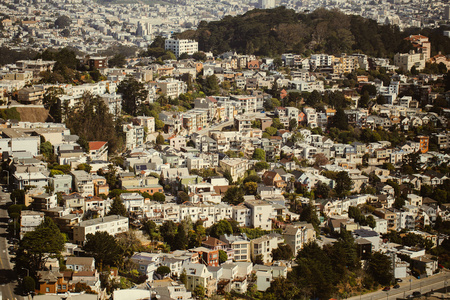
(275, 31)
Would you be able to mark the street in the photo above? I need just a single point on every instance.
(8, 280)
(407, 288)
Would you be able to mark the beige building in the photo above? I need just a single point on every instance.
(240, 245)
(111, 224)
(235, 166)
(405, 61)
(264, 245)
(26, 76)
(388, 215)
(198, 274)
(298, 235)
(31, 95)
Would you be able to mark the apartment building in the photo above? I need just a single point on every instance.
(111, 224)
(83, 183)
(235, 166)
(240, 244)
(298, 235)
(264, 245)
(179, 47)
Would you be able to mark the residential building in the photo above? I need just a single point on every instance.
(111, 224)
(29, 220)
(298, 235)
(82, 183)
(240, 244)
(198, 274)
(179, 47)
(264, 245)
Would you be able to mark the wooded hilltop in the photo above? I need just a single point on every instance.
(272, 32)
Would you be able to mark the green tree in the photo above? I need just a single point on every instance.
(151, 229)
(277, 124)
(322, 190)
(283, 252)
(262, 165)
(168, 231)
(309, 214)
(160, 139)
(182, 197)
(234, 195)
(271, 130)
(10, 114)
(28, 284)
(117, 60)
(283, 289)
(220, 228)
(343, 183)
(37, 246)
(211, 85)
(181, 240)
(104, 248)
(199, 292)
(259, 154)
(199, 56)
(62, 22)
(314, 265)
(133, 93)
(314, 98)
(118, 208)
(91, 121)
(379, 266)
(183, 276)
(364, 100)
(370, 220)
(250, 188)
(18, 196)
(223, 257)
(293, 123)
(163, 270)
(159, 197)
(340, 120)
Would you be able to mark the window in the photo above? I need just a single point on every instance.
(47, 290)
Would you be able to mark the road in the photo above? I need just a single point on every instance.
(8, 280)
(407, 288)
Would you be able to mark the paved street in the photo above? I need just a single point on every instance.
(407, 288)
(7, 277)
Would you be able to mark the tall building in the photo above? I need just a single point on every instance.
(144, 29)
(266, 4)
(179, 47)
(447, 12)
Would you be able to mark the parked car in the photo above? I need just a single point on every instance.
(396, 286)
(398, 280)
(386, 288)
(416, 294)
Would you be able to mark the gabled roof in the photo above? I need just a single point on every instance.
(213, 242)
(93, 146)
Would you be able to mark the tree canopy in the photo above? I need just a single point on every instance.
(272, 32)
(91, 121)
(133, 93)
(37, 246)
(104, 248)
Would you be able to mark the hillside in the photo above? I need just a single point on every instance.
(276, 31)
(33, 114)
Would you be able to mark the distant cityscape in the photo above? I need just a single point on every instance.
(96, 27)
